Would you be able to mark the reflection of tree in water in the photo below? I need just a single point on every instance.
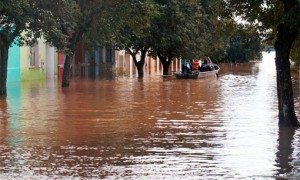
(239, 68)
(10, 125)
(294, 157)
(285, 151)
(3, 122)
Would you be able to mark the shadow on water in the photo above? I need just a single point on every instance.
(285, 150)
(288, 161)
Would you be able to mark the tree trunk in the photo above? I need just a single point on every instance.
(139, 64)
(166, 68)
(140, 69)
(166, 64)
(285, 38)
(4, 45)
(66, 71)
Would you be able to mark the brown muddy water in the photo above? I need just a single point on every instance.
(157, 128)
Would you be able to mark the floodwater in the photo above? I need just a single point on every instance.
(156, 128)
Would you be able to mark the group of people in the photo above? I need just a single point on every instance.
(190, 66)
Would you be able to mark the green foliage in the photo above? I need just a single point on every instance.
(220, 28)
(97, 23)
(58, 20)
(14, 18)
(114, 23)
(135, 24)
(29, 19)
(266, 15)
(244, 45)
(169, 28)
(180, 30)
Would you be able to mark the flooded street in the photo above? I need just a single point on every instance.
(155, 128)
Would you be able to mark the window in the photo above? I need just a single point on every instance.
(34, 55)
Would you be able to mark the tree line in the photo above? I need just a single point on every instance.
(163, 29)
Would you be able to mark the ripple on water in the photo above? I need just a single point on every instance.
(222, 128)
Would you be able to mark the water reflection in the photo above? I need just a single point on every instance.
(155, 128)
(3, 121)
(249, 118)
(285, 150)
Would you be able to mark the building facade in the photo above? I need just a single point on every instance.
(42, 61)
(32, 62)
(124, 65)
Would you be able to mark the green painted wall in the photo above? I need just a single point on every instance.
(33, 74)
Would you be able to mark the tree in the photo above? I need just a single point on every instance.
(220, 28)
(13, 19)
(22, 21)
(62, 20)
(134, 30)
(87, 10)
(280, 20)
(96, 26)
(166, 29)
(179, 31)
(139, 63)
(244, 45)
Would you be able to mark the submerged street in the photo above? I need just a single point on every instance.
(157, 128)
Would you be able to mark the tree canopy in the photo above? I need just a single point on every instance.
(244, 45)
(29, 19)
(179, 31)
(23, 21)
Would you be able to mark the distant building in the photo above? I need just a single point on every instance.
(125, 66)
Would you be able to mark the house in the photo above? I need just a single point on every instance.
(125, 66)
(42, 61)
(31, 62)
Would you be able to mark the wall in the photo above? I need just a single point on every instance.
(37, 70)
(30, 63)
(50, 65)
(124, 65)
(13, 67)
